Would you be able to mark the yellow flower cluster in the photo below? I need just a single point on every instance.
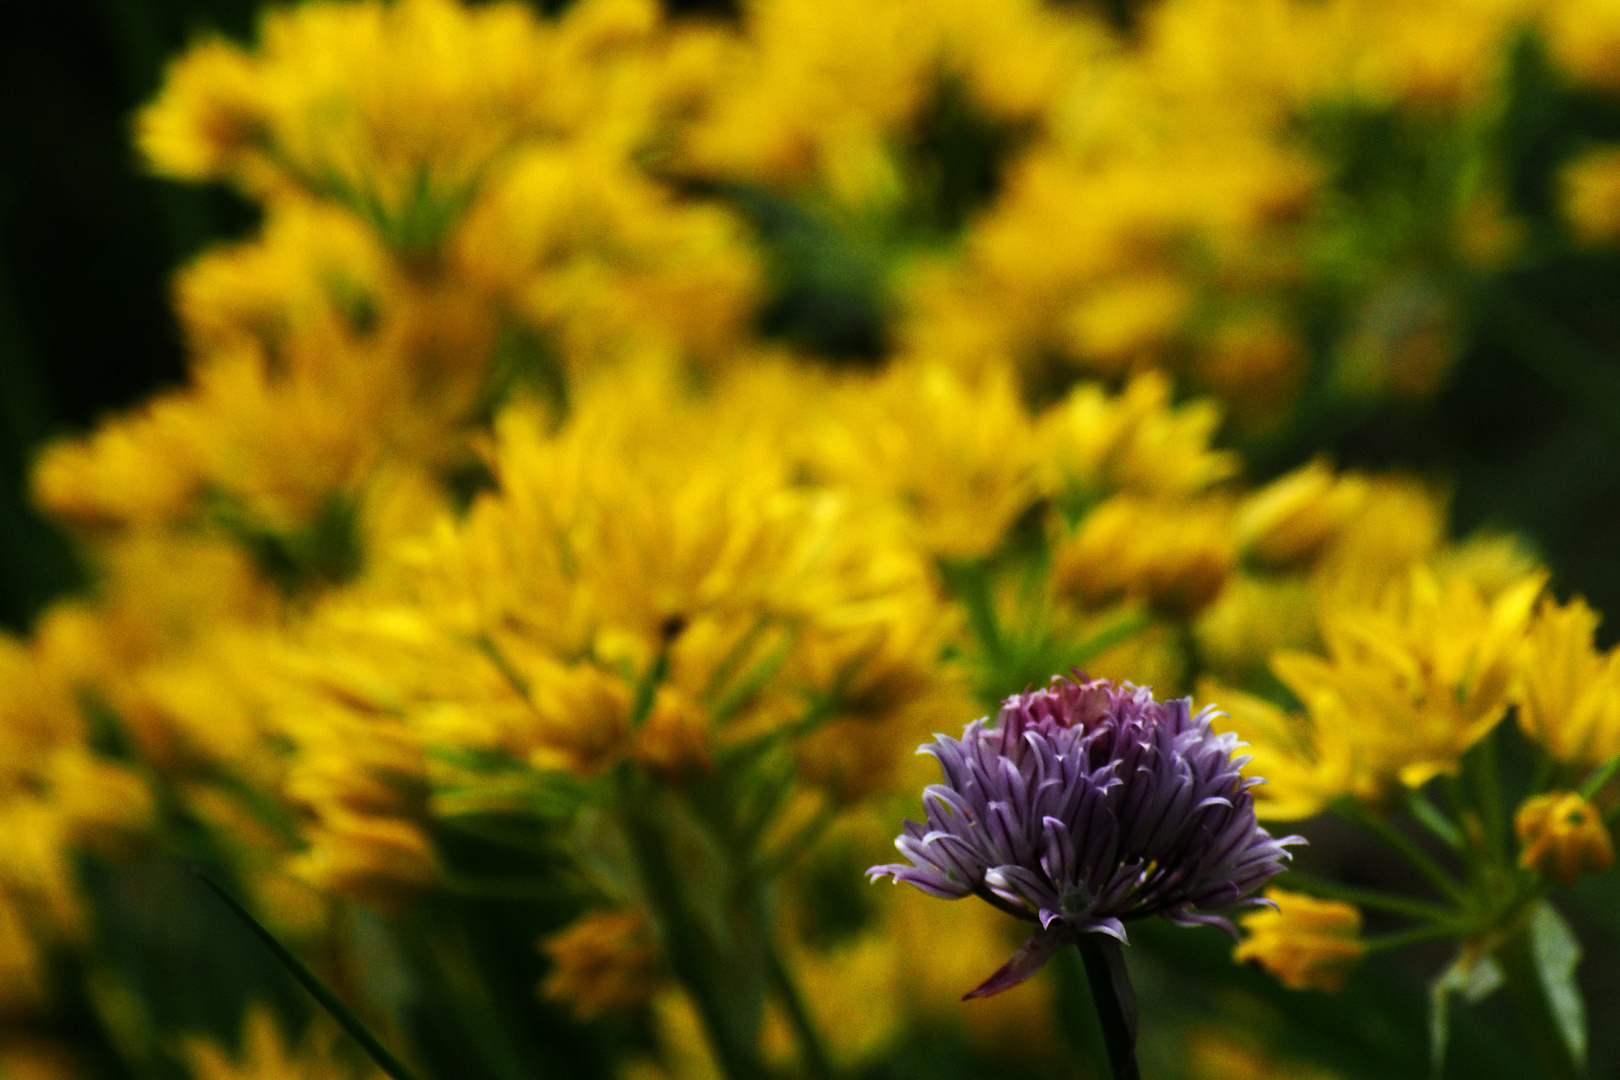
(646, 582)
(1192, 213)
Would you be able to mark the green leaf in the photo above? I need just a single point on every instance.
(1557, 954)
(1473, 980)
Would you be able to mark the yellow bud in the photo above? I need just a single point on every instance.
(1561, 835)
(1308, 944)
(606, 960)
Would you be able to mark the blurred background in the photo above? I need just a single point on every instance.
(1526, 428)
(1521, 426)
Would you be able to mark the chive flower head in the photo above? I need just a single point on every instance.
(1087, 805)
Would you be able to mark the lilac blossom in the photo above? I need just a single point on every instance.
(1086, 805)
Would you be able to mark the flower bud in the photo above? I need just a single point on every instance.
(1561, 834)
(606, 960)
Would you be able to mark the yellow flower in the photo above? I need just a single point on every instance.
(144, 469)
(1571, 697)
(1253, 617)
(24, 979)
(606, 262)
(381, 862)
(1290, 520)
(1584, 36)
(1095, 443)
(1308, 944)
(1591, 195)
(211, 111)
(1306, 764)
(1401, 523)
(1562, 835)
(393, 107)
(652, 532)
(1174, 555)
(603, 961)
(265, 1054)
(1215, 1053)
(1420, 677)
(955, 454)
(1123, 323)
(1254, 362)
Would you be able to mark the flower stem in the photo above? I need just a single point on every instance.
(334, 1005)
(1111, 990)
(1373, 898)
(691, 953)
(1517, 959)
(1404, 847)
(1387, 942)
(1434, 819)
(1486, 775)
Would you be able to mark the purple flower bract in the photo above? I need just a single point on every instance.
(1086, 805)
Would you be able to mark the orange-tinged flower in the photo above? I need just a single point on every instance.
(1562, 835)
(605, 960)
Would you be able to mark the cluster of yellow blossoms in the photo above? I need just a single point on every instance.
(527, 482)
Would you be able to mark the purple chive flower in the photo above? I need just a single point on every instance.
(1089, 804)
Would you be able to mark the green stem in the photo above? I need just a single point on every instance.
(1600, 777)
(1404, 846)
(1115, 999)
(1517, 960)
(1488, 789)
(1400, 905)
(972, 583)
(692, 955)
(811, 1051)
(1429, 932)
(1434, 819)
(317, 989)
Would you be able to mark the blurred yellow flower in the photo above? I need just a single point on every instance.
(1291, 519)
(1584, 38)
(1591, 195)
(1308, 944)
(1213, 1053)
(1254, 617)
(604, 960)
(1306, 762)
(1419, 677)
(265, 1054)
(1095, 443)
(1174, 555)
(954, 453)
(1571, 697)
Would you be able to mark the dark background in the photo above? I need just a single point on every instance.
(87, 241)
